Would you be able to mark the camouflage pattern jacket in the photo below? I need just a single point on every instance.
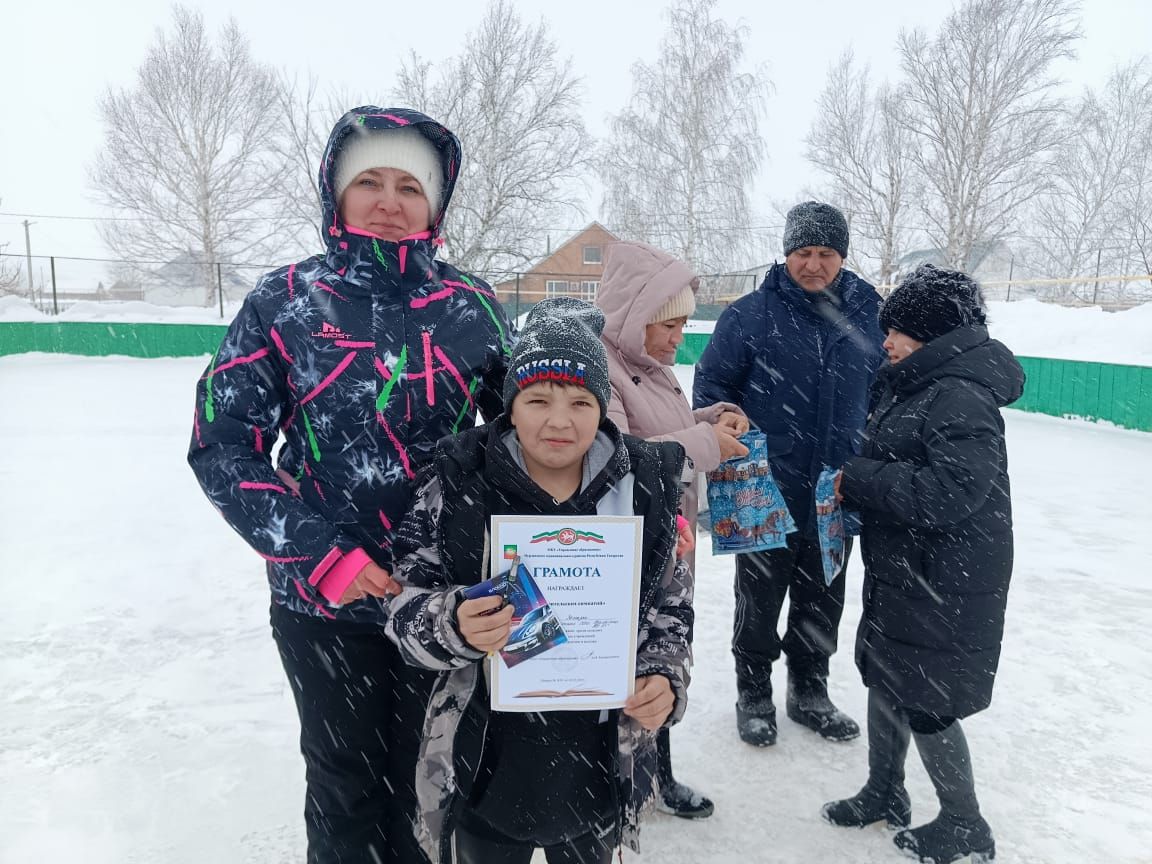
(445, 539)
(361, 358)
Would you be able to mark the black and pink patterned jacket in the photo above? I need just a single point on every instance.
(361, 359)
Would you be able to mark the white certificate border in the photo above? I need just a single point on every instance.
(496, 560)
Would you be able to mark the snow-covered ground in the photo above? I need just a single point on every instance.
(1028, 327)
(144, 716)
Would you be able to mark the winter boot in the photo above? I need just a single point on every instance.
(676, 798)
(756, 718)
(959, 831)
(883, 796)
(808, 704)
(683, 801)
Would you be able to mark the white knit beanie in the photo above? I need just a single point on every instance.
(682, 305)
(404, 149)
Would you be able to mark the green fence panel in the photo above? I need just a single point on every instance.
(1112, 392)
(692, 347)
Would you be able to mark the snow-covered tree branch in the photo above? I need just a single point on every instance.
(516, 108)
(978, 98)
(187, 152)
(682, 155)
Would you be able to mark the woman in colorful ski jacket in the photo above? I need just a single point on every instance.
(360, 358)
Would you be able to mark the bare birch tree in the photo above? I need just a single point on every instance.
(978, 98)
(1081, 219)
(307, 117)
(9, 273)
(187, 151)
(1134, 203)
(516, 109)
(682, 155)
(858, 141)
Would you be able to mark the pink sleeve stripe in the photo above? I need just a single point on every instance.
(442, 294)
(330, 290)
(324, 566)
(343, 573)
(251, 358)
(289, 480)
(259, 442)
(323, 385)
(263, 487)
(280, 345)
(429, 383)
(292, 282)
(384, 520)
(274, 560)
(466, 287)
(399, 447)
(453, 371)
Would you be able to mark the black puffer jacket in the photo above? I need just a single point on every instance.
(932, 487)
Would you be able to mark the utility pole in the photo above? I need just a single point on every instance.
(28, 257)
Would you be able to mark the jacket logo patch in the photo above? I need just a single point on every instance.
(331, 331)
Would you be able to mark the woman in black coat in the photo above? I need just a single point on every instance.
(932, 487)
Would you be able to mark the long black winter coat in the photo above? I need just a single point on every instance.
(932, 487)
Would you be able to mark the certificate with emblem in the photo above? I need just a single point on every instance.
(575, 585)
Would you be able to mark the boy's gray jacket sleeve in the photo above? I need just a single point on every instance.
(422, 619)
(665, 649)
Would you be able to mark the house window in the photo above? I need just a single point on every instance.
(588, 290)
(592, 255)
(556, 288)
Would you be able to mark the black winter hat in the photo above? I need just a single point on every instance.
(931, 301)
(815, 224)
(560, 342)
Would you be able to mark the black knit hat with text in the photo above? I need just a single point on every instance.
(815, 224)
(560, 342)
(931, 301)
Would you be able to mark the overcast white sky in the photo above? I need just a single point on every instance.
(58, 58)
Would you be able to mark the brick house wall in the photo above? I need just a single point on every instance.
(573, 270)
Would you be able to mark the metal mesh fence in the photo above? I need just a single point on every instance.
(213, 290)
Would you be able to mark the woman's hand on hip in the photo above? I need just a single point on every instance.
(373, 581)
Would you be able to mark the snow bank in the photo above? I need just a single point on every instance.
(1034, 329)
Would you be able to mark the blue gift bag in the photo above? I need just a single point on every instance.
(748, 511)
(829, 524)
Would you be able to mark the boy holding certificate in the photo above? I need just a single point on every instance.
(494, 785)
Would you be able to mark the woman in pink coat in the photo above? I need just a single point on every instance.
(647, 296)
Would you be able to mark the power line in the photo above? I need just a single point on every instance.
(556, 230)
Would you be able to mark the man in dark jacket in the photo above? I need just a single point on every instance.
(798, 355)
